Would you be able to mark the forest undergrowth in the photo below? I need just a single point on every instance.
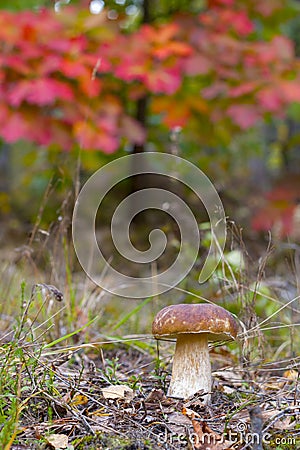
(80, 369)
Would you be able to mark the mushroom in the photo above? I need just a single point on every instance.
(193, 325)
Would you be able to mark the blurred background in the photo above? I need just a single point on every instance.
(83, 83)
(216, 82)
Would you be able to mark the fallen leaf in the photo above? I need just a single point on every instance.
(206, 438)
(282, 423)
(291, 375)
(79, 399)
(229, 376)
(158, 396)
(57, 441)
(118, 391)
(178, 423)
(272, 385)
(178, 418)
(189, 413)
(276, 383)
(228, 390)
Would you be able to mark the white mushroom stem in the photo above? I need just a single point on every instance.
(191, 367)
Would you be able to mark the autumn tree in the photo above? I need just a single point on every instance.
(204, 72)
(119, 79)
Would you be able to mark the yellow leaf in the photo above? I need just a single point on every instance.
(79, 399)
(291, 375)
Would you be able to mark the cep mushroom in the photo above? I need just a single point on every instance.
(193, 325)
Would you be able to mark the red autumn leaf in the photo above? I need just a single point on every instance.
(8, 30)
(43, 21)
(260, 54)
(3, 114)
(287, 220)
(271, 215)
(55, 60)
(270, 99)
(177, 117)
(97, 62)
(284, 48)
(197, 64)
(106, 143)
(17, 63)
(287, 190)
(290, 90)
(108, 124)
(133, 64)
(91, 138)
(60, 45)
(173, 48)
(174, 113)
(14, 128)
(21, 126)
(85, 135)
(29, 51)
(163, 80)
(89, 86)
(219, 88)
(159, 35)
(279, 207)
(130, 72)
(41, 92)
(133, 130)
(248, 87)
(73, 68)
(43, 133)
(245, 116)
(241, 23)
(49, 64)
(29, 32)
(224, 20)
(226, 51)
(264, 219)
(268, 7)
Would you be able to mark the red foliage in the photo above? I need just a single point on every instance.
(243, 115)
(279, 207)
(70, 78)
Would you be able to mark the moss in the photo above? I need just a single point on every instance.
(282, 442)
(110, 442)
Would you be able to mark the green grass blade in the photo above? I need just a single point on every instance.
(131, 313)
(62, 338)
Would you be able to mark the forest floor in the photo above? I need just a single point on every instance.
(72, 378)
(117, 400)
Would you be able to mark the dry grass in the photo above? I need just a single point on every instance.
(59, 350)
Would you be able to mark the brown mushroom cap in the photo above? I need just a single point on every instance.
(186, 318)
